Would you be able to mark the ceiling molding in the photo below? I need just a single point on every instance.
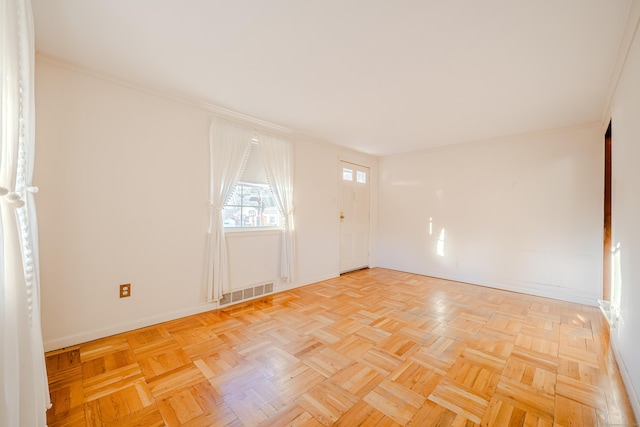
(501, 139)
(243, 119)
(214, 110)
(629, 34)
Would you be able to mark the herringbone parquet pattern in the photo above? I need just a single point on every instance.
(372, 348)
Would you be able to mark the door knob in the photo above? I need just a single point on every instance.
(341, 216)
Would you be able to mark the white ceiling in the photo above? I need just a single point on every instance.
(379, 76)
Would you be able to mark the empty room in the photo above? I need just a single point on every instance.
(279, 213)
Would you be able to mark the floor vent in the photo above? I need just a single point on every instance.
(247, 293)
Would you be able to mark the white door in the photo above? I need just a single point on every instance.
(354, 216)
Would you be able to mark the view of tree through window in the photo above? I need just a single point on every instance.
(251, 205)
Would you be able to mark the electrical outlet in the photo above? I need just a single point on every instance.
(125, 290)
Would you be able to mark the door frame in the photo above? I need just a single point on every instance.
(607, 254)
(373, 199)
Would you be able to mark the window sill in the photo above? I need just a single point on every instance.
(248, 231)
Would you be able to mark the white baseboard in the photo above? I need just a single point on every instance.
(71, 340)
(87, 336)
(282, 286)
(83, 337)
(535, 289)
(626, 378)
(562, 294)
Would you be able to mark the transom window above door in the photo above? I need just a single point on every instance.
(348, 175)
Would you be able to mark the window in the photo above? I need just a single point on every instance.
(252, 205)
(347, 174)
(361, 176)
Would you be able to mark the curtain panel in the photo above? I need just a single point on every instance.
(24, 393)
(277, 155)
(230, 145)
(229, 149)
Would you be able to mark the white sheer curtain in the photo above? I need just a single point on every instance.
(24, 393)
(277, 155)
(229, 148)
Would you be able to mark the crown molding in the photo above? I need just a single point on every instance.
(214, 110)
(628, 36)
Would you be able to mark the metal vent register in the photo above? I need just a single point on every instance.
(247, 293)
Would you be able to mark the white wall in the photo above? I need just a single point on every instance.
(123, 177)
(626, 222)
(521, 213)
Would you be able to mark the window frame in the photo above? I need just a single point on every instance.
(244, 228)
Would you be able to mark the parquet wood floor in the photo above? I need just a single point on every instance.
(370, 348)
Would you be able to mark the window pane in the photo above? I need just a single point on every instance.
(251, 205)
(231, 216)
(361, 177)
(251, 196)
(347, 174)
(236, 197)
